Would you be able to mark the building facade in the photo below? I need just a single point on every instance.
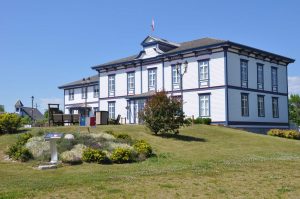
(233, 84)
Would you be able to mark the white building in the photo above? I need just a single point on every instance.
(233, 84)
(81, 95)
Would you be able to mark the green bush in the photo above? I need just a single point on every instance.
(200, 120)
(25, 120)
(291, 134)
(9, 123)
(18, 151)
(122, 155)
(94, 155)
(143, 148)
(163, 114)
(125, 138)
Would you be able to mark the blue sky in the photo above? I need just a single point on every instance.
(44, 44)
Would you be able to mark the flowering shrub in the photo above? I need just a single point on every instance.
(122, 155)
(142, 147)
(94, 155)
(9, 123)
(291, 134)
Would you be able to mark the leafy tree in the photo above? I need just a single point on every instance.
(2, 108)
(9, 123)
(26, 120)
(46, 114)
(294, 108)
(163, 114)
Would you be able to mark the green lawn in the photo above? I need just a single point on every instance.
(203, 162)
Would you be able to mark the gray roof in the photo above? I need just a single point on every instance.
(93, 80)
(188, 46)
(37, 115)
(19, 104)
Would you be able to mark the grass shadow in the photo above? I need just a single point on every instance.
(182, 137)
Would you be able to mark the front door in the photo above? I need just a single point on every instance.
(135, 106)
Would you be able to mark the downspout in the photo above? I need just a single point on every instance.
(226, 86)
(287, 97)
(141, 67)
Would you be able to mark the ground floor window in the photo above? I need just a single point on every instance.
(261, 105)
(111, 110)
(275, 107)
(204, 105)
(245, 104)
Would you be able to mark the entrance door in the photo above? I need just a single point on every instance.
(135, 106)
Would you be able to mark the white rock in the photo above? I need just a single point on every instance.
(69, 136)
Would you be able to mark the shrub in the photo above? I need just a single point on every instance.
(23, 138)
(39, 148)
(122, 155)
(9, 123)
(124, 138)
(25, 120)
(163, 114)
(94, 155)
(200, 120)
(291, 134)
(143, 148)
(74, 156)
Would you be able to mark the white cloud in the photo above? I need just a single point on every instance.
(294, 85)
(45, 101)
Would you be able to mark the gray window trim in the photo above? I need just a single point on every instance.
(242, 112)
(263, 113)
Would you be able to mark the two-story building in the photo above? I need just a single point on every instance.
(81, 96)
(233, 84)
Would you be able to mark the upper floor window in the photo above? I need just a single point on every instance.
(261, 105)
(260, 76)
(71, 94)
(204, 105)
(130, 83)
(111, 85)
(96, 91)
(176, 71)
(203, 73)
(244, 73)
(275, 109)
(83, 92)
(152, 79)
(111, 110)
(245, 104)
(274, 79)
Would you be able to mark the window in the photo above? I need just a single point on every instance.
(176, 70)
(96, 91)
(111, 110)
(245, 104)
(152, 79)
(204, 105)
(261, 105)
(275, 107)
(203, 73)
(111, 85)
(274, 79)
(71, 94)
(130, 83)
(260, 76)
(83, 92)
(244, 73)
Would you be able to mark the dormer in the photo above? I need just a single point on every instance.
(153, 47)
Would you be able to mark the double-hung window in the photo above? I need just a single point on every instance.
(152, 79)
(274, 79)
(261, 105)
(71, 94)
(260, 76)
(204, 104)
(244, 73)
(176, 71)
(111, 85)
(111, 110)
(245, 104)
(84, 93)
(203, 73)
(96, 91)
(275, 110)
(130, 83)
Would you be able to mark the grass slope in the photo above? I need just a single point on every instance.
(202, 162)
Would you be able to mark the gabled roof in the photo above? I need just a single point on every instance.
(37, 115)
(93, 80)
(19, 104)
(187, 47)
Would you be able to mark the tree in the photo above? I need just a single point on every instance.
(25, 120)
(163, 114)
(46, 114)
(294, 108)
(9, 123)
(2, 108)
